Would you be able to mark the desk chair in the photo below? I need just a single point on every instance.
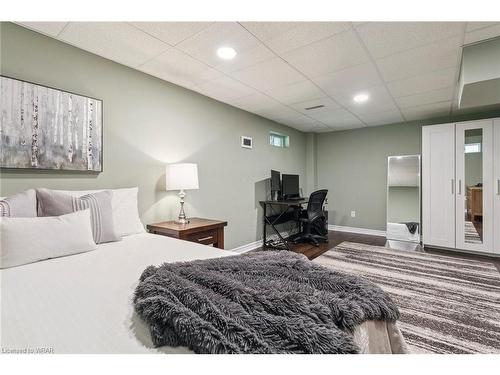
(310, 216)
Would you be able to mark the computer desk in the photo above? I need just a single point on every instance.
(286, 214)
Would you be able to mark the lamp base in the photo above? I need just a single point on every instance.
(182, 219)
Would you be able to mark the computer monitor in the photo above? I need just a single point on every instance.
(275, 181)
(290, 185)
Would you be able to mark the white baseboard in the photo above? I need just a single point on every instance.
(248, 247)
(254, 245)
(371, 232)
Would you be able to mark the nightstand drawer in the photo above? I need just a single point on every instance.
(207, 237)
(204, 231)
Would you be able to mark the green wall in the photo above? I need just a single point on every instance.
(352, 164)
(149, 123)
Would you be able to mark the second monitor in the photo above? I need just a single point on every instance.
(290, 186)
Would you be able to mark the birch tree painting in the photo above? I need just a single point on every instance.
(44, 128)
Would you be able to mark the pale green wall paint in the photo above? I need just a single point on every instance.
(148, 123)
(352, 164)
(473, 162)
(311, 164)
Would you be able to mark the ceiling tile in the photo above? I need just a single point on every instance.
(386, 38)
(279, 111)
(171, 32)
(427, 111)
(224, 89)
(268, 75)
(117, 41)
(471, 26)
(285, 36)
(328, 55)
(256, 102)
(482, 34)
(296, 92)
(320, 128)
(303, 123)
(382, 118)
(177, 67)
(379, 101)
(204, 45)
(435, 56)
(351, 79)
(345, 127)
(424, 82)
(337, 118)
(428, 97)
(328, 104)
(49, 28)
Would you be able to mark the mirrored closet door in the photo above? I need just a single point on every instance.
(474, 185)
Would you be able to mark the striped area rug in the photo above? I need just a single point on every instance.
(471, 234)
(447, 304)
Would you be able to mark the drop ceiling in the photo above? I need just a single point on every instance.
(409, 69)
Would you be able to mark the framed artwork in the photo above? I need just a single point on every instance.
(45, 128)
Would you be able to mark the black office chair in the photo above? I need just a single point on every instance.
(311, 217)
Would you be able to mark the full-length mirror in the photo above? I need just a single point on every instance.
(403, 198)
(473, 210)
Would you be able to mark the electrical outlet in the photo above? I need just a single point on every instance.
(353, 213)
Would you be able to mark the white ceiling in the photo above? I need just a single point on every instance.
(409, 69)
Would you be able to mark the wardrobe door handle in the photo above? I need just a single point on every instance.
(459, 187)
(452, 186)
(498, 186)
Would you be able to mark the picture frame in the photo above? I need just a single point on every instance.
(46, 128)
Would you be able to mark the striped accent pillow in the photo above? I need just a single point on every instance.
(52, 203)
(19, 205)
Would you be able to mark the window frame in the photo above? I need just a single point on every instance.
(284, 140)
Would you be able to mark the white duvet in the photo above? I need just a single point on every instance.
(83, 303)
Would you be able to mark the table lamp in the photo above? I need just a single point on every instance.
(181, 176)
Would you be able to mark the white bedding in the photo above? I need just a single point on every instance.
(399, 231)
(83, 303)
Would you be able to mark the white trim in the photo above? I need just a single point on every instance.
(248, 247)
(372, 232)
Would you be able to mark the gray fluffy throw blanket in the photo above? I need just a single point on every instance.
(262, 302)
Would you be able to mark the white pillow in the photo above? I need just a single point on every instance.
(124, 206)
(31, 239)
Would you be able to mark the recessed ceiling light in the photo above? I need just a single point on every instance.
(226, 53)
(361, 98)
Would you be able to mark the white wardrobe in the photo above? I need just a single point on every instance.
(461, 186)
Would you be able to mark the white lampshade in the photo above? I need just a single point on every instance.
(181, 176)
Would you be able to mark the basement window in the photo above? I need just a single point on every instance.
(279, 140)
(472, 148)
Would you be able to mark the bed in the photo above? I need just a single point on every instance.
(83, 303)
(400, 231)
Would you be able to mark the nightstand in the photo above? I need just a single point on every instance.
(204, 231)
